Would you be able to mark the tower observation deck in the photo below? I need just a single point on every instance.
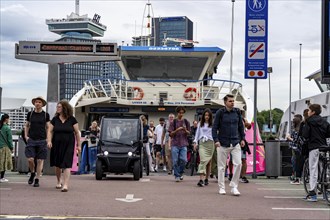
(75, 24)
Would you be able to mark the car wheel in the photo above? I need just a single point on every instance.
(136, 170)
(98, 170)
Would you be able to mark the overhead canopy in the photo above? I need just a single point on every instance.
(169, 62)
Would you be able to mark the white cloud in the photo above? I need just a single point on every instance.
(290, 23)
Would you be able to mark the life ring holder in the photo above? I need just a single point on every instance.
(138, 93)
(191, 94)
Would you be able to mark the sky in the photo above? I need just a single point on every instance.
(291, 22)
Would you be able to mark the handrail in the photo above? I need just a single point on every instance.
(122, 88)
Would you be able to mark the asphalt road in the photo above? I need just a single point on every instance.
(160, 198)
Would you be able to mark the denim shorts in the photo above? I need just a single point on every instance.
(36, 149)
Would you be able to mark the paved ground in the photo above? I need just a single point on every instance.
(160, 196)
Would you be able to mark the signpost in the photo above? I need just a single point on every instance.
(256, 44)
(325, 57)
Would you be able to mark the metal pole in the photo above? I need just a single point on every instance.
(270, 107)
(231, 43)
(290, 95)
(254, 175)
(300, 71)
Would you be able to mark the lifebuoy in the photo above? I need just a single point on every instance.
(138, 93)
(191, 94)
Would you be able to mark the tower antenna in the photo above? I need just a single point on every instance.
(147, 36)
(77, 6)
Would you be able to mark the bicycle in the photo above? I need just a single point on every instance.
(323, 180)
(193, 160)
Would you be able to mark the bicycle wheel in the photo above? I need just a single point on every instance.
(193, 163)
(319, 177)
(326, 182)
(306, 175)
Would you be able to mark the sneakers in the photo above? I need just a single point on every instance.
(177, 179)
(152, 169)
(244, 180)
(36, 183)
(156, 169)
(164, 169)
(295, 182)
(230, 176)
(31, 178)
(181, 177)
(3, 180)
(206, 182)
(311, 198)
(200, 183)
(235, 192)
(169, 172)
(222, 191)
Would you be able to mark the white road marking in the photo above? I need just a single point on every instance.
(5, 189)
(303, 209)
(144, 180)
(129, 198)
(280, 189)
(280, 183)
(287, 197)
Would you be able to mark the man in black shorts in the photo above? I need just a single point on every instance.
(37, 122)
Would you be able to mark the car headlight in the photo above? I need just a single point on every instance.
(130, 154)
(105, 153)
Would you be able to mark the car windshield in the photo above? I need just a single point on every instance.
(119, 130)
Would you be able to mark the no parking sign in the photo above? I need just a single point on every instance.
(256, 39)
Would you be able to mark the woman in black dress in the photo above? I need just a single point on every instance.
(63, 135)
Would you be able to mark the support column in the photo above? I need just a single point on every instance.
(53, 88)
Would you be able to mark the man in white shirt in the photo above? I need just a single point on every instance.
(158, 142)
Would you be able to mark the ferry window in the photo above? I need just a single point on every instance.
(153, 67)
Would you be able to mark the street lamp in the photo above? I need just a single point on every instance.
(270, 70)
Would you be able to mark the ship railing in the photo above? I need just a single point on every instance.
(166, 90)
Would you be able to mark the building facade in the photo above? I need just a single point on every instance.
(166, 27)
(172, 27)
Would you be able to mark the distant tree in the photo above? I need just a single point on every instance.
(263, 117)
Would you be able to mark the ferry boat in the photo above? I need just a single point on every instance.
(298, 107)
(158, 79)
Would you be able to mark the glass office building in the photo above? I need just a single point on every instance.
(172, 27)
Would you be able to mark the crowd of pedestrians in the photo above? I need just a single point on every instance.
(217, 138)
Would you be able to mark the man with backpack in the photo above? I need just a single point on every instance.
(179, 130)
(228, 135)
(315, 131)
(37, 122)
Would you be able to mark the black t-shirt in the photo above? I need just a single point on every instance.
(37, 121)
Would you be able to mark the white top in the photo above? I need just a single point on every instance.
(159, 133)
(203, 133)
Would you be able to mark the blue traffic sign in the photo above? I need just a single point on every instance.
(256, 39)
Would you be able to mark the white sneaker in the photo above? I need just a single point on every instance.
(222, 191)
(152, 169)
(3, 180)
(164, 169)
(235, 192)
